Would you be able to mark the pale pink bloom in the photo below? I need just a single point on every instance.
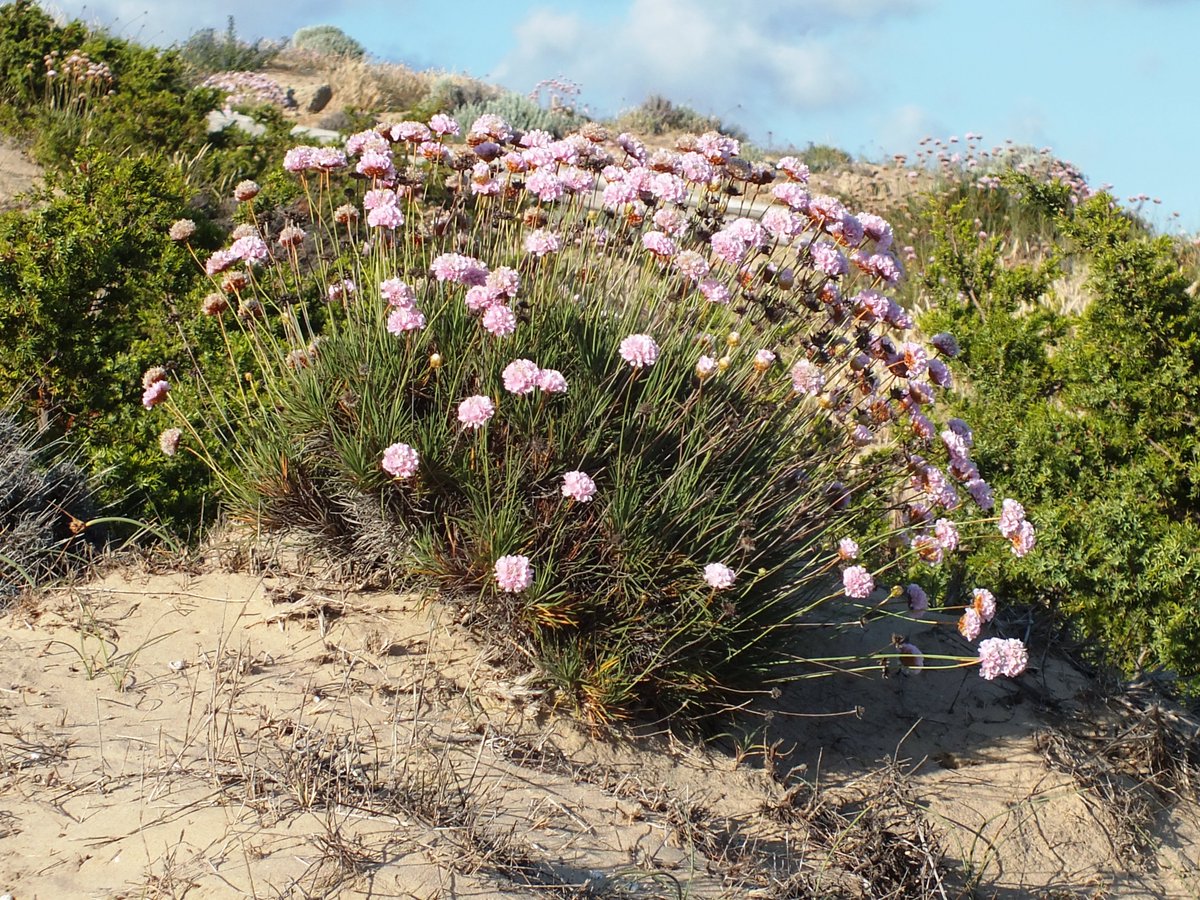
(442, 124)
(918, 600)
(963, 469)
(617, 194)
(672, 221)
(545, 185)
(807, 378)
(578, 486)
(946, 533)
(542, 242)
(857, 582)
(847, 549)
(871, 305)
(340, 290)
(182, 230)
(690, 264)
(400, 461)
(793, 195)
(705, 366)
(405, 318)
(155, 393)
(658, 244)
(1023, 539)
(729, 247)
(782, 224)
(963, 430)
(514, 573)
(928, 549)
(479, 298)
(877, 229)
(922, 427)
(500, 320)
(970, 624)
(793, 168)
(916, 360)
(475, 411)
(515, 162)
(829, 260)
(632, 146)
(552, 381)
(575, 180)
(376, 164)
(984, 603)
(521, 376)
(764, 359)
(412, 132)
(669, 188)
(434, 152)
(397, 293)
(1002, 656)
(491, 126)
(220, 261)
(639, 350)
(385, 216)
(714, 291)
(298, 159)
(327, 159)
(861, 435)
(459, 268)
(564, 151)
(719, 576)
(825, 209)
(364, 141)
(168, 441)
(536, 137)
(503, 282)
(1012, 514)
(717, 147)
(955, 445)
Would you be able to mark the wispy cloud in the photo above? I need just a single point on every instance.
(744, 64)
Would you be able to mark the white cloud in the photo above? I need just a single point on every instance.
(751, 65)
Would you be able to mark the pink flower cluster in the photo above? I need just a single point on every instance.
(404, 316)
(578, 486)
(400, 461)
(523, 376)
(514, 574)
(999, 656)
(639, 350)
(719, 576)
(476, 411)
(857, 582)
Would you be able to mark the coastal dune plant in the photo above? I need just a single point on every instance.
(633, 427)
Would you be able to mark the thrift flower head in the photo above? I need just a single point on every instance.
(405, 318)
(1024, 539)
(521, 376)
(155, 394)
(552, 381)
(400, 461)
(763, 360)
(168, 441)
(397, 293)
(639, 350)
(719, 576)
(984, 603)
(442, 124)
(807, 378)
(459, 268)
(1012, 514)
(514, 573)
(246, 190)
(500, 320)
(1002, 656)
(542, 242)
(182, 230)
(578, 486)
(946, 534)
(847, 549)
(970, 624)
(475, 411)
(858, 582)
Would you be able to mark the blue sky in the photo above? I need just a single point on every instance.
(1111, 85)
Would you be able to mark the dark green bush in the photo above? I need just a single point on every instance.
(1088, 416)
(207, 51)
(328, 40)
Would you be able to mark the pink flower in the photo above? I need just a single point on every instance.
(945, 344)
(946, 534)
(714, 291)
(405, 318)
(858, 582)
(545, 184)
(386, 216)
(918, 600)
(542, 242)
(1012, 514)
(474, 412)
(521, 376)
(502, 283)
(672, 222)
(794, 195)
(400, 461)
(916, 360)
(807, 378)
(155, 393)
(442, 124)
(459, 268)
(639, 350)
(220, 261)
(970, 624)
(397, 293)
(1024, 539)
(578, 486)
(829, 260)
(658, 244)
(500, 320)
(552, 381)
(690, 264)
(719, 576)
(763, 360)
(514, 573)
(847, 549)
(983, 602)
(168, 441)
(981, 493)
(1002, 656)
(705, 366)
(479, 298)
(793, 168)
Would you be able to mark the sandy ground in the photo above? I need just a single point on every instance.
(18, 173)
(216, 733)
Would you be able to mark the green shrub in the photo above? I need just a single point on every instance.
(1090, 416)
(521, 113)
(365, 351)
(328, 40)
(86, 274)
(657, 115)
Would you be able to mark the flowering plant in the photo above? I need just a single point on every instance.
(557, 358)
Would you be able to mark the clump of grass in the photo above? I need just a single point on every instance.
(630, 425)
